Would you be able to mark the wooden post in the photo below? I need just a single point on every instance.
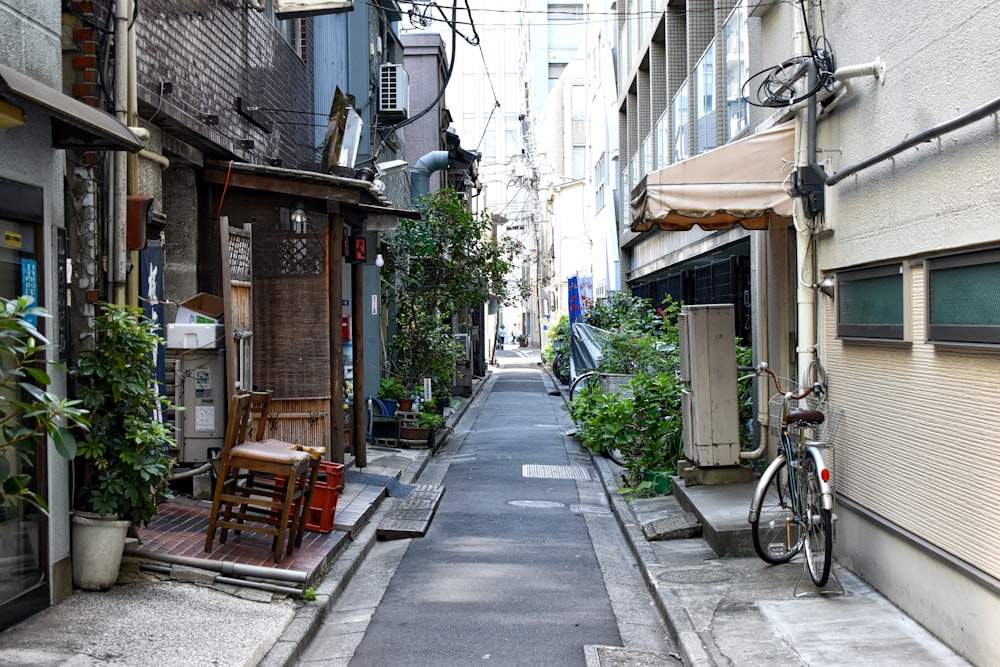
(357, 333)
(335, 254)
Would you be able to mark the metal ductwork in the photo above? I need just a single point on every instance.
(420, 173)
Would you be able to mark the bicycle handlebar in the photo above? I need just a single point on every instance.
(762, 368)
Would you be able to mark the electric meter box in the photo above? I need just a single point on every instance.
(200, 388)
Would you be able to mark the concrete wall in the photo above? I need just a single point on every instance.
(31, 32)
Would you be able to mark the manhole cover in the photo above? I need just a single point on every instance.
(538, 504)
(698, 576)
(555, 472)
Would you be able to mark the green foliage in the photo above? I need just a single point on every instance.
(643, 422)
(449, 256)
(428, 416)
(556, 352)
(309, 594)
(745, 398)
(623, 312)
(124, 463)
(437, 267)
(28, 410)
(423, 347)
(392, 388)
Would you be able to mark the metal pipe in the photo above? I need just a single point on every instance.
(161, 160)
(194, 472)
(273, 588)
(988, 109)
(226, 568)
(876, 68)
(117, 236)
(420, 173)
(259, 585)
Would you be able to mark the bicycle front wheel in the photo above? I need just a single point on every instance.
(775, 531)
(819, 533)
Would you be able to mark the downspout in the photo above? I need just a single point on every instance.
(116, 237)
(420, 173)
(805, 296)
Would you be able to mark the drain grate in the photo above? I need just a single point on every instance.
(555, 472)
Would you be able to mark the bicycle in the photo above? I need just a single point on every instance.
(792, 506)
(606, 383)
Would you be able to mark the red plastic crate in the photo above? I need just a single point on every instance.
(319, 518)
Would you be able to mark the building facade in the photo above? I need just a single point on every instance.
(871, 259)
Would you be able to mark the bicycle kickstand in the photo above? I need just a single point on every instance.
(829, 589)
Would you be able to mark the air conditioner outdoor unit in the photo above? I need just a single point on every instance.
(394, 92)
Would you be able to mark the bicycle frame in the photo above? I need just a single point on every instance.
(826, 489)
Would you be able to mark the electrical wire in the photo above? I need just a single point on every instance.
(776, 88)
(387, 132)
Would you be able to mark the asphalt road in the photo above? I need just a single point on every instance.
(523, 563)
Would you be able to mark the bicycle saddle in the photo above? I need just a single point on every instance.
(808, 416)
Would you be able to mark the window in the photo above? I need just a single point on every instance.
(600, 174)
(680, 108)
(735, 70)
(287, 28)
(578, 162)
(704, 81)
(870, 303)
(963, 303)
(578, 102)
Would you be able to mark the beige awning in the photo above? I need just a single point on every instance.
(743, 182)
(75, 124)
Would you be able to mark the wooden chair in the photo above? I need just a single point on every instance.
(260, 401)
(262, 486)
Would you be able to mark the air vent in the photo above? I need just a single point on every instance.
(394, 93)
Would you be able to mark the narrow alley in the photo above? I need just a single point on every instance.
(523, 563)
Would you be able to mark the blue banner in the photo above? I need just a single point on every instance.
(574, 300)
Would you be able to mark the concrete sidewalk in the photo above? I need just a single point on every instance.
(737, 610)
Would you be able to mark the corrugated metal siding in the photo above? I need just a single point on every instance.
(920, 439)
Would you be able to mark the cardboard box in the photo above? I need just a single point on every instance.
(200, 309)
(195, 336)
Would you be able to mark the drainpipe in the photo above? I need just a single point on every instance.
(116, 237)
(420, 173)
(805, 296)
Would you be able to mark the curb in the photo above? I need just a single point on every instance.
(672, 610)
(305, 624)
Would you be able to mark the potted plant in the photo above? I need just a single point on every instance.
(29, 411)
(390, 390)
(124, 463)
(521, 340)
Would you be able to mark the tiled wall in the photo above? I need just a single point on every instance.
(212, 53)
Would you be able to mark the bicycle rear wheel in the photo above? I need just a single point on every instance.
(775, 531)
(819, 535)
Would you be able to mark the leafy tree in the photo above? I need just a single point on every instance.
(436, 268)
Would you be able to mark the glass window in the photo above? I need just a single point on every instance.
(578, 102)
(704, 77)
(287, 28)
(579, 159)
(870, 303)
(735, 70)
(680, 109)
(964, 298)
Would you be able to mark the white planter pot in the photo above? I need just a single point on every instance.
(98, 544)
